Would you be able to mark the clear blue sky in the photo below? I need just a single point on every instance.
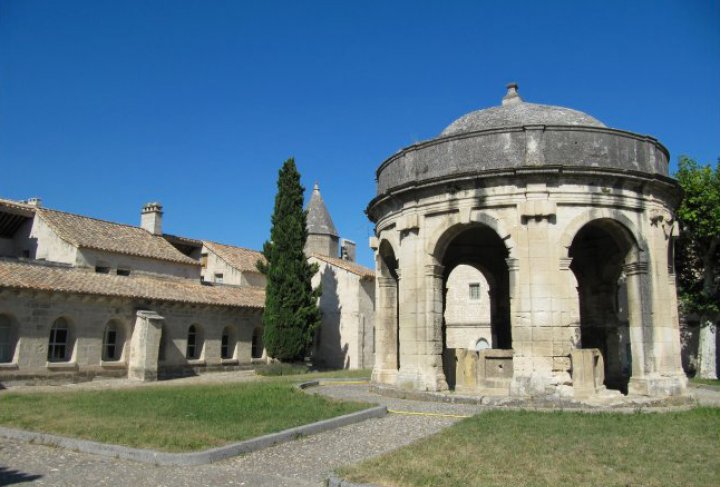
(105, 105)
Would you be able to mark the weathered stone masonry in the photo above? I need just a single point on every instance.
(569, 221)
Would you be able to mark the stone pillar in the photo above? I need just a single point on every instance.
(536, 321)
(385, 368)
(432, 364)
(566, 307)
(411, 310)
(640, 324)
(145, 346)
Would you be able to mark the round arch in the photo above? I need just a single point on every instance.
(441, 237)
(621, 227)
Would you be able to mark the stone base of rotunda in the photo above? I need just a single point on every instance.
(658, 385)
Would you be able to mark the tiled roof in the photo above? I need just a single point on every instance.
(353, 267)
(91, 233)
(23, 275)
(238, 257)
(20, 206)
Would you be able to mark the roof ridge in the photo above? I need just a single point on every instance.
(97, 219)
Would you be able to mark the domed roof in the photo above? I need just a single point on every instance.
(514, 112)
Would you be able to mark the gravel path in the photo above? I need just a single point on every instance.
(305, 462)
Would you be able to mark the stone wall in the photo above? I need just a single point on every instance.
(347, 302)
(33, 314)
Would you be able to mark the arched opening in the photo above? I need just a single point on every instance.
(113, 341)
(8, 338)
(258, 347)
(476, 298)
(164, 343)
(194, 347)
(389, 299)
(599, 251)
(228, 343)
(60, 344)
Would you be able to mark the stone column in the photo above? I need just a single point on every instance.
(145, 346)
(567, 332)
(640, 324)
(432, 364)
(411, 309)
(385, 368)
(535, 320)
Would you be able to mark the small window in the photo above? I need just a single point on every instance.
(7, 339)
(218, 278)
(100, 269)
(112, 342)
(123, 272)
(194, 343)
(474, 291)
(58, 345)
(257, 343)
(203, 260)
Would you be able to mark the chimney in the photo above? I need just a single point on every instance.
(151, 218)
(36, 202)
(347, 250)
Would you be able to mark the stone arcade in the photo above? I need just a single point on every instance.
(554, 232)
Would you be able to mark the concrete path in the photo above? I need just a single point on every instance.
(305, 462)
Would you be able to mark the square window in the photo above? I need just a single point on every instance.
(218, 278)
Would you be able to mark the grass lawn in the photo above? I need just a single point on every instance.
(507, 448)
(705, 382)
(171, 418)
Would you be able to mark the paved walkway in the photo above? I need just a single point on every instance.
(305, 462)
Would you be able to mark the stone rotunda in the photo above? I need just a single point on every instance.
(527, 251)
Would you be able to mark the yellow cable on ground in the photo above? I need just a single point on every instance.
(415, 413)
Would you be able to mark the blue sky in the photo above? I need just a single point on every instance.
(105, 105)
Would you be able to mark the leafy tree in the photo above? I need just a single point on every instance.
(698, 255)
(291, 313)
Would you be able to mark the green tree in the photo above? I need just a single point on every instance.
(291, 313)
(697, 258)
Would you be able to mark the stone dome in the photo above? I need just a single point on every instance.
(521, 136)
(514, 112)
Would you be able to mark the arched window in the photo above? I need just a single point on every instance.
(257, 343)
(163, 344)
(194, 343)
(8, 338)
(113, 342)
(227, 343)
(59, 346)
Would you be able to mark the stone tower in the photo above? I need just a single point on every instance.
(322, 235)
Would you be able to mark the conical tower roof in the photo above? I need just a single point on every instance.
(318, 217)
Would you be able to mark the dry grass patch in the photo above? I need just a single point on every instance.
(505, 448)
(182, 418)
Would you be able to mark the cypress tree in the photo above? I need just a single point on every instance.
(291, 313)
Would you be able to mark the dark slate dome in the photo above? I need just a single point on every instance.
(514, 112)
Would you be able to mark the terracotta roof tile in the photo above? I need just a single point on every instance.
(238, 257)
(22, 275)
(353, 267)
(91, 233)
